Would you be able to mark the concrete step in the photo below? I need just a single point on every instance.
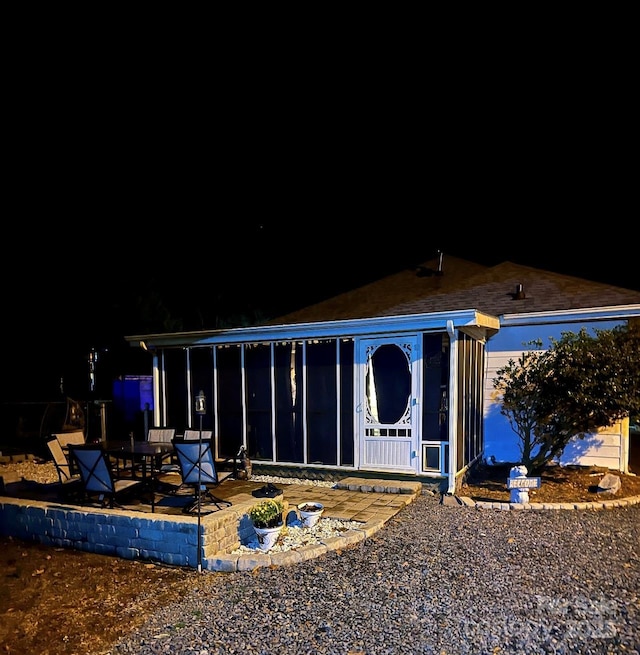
(369, 485)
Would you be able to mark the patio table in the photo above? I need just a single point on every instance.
(149, 454)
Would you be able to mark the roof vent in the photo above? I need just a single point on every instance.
(423, 271)
(519, 294)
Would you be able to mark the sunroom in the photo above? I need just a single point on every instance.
(399, 395)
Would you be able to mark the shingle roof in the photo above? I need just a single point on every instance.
(462, 284)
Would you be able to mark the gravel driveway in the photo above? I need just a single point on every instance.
(436, 579)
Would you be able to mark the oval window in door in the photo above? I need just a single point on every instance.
(388, 382)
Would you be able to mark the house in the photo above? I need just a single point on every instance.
(393, 378)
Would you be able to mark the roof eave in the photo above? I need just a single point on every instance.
(437, 321)
(613, 313)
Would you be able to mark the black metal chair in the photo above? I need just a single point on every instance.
(98, 477)
(161, 434)
(198, 470)
(164, 435)
(194, 435)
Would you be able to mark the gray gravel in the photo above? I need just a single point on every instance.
(437, 579)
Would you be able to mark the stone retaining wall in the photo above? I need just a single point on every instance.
(127, 534)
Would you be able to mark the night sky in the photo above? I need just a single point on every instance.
(141, 197)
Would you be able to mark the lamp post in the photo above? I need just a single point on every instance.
(201, 409)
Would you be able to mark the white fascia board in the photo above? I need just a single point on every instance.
(323, 330)
(616, 313)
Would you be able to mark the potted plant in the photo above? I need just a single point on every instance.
(266, 517)
(310, 512)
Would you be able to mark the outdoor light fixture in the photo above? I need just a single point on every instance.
(201, 403)
(92, 358)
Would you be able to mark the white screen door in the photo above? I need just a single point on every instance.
(388, 413)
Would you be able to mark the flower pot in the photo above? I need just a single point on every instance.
(267, 537)
(310, 512)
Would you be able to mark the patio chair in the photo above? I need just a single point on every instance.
(194, 435)
(98, 476)
(66, 438)
(166, 435)
(171, 466)
(161, 434)
(70, 480)
(198, 470)
(207, 435)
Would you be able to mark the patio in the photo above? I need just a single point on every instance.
(35, 511)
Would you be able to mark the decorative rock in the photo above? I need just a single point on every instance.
(610, 484)
(448, 499)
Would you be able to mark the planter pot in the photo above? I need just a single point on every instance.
(267, 537)
(310, 512)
